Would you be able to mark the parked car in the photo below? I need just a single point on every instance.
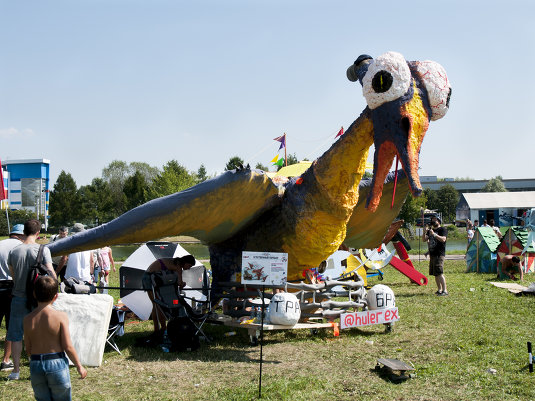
(427, 218)
(460, 223)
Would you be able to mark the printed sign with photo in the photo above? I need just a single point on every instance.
(264, 268)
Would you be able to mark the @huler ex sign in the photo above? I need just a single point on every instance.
(369, 317)
(264, 268)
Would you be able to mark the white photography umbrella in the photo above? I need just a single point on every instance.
(138, 262)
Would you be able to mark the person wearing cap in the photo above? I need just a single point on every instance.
(79, 264)
(436, 237)
(20, 260)
(16, 236)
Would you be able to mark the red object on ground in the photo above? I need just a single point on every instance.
(336, 329)
(405, 266)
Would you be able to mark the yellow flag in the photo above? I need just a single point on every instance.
(275, 159)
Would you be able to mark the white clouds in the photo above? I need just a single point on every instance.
(12, 132)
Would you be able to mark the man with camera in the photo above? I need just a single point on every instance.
(435, 235)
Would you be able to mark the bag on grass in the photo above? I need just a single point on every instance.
(72, 285)
(37, 270)
(182, 334)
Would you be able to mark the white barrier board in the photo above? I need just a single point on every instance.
(89, 319)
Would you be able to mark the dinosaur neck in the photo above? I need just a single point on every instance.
(339, 170)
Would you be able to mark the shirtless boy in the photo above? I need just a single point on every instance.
(47, 339)
(511, 265)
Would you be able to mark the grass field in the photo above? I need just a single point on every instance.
(451, 341)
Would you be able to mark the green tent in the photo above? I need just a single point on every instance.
(481, 252)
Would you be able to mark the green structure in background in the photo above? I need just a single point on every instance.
(481, 253)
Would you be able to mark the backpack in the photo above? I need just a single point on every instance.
(72, 285)
(182, 334)
(37, 270)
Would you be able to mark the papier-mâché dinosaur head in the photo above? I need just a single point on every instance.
(403, 96)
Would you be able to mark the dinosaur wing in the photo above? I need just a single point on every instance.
(212, 211)
(366, 229)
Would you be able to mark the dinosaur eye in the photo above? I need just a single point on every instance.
(388, 78)
(436, 84)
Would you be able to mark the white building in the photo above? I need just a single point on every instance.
(505, 208)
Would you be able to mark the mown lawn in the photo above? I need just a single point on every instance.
(451, 341)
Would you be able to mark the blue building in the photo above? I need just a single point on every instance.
(27, 185)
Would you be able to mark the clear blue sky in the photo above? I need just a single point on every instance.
(88, 81)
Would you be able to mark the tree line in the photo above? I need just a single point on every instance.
(124, 186)
(443, 200)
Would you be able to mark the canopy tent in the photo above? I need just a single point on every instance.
(514, 242)
(481, 252)
(294, 170)
(297, 169)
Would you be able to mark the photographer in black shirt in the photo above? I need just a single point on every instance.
(436, 235)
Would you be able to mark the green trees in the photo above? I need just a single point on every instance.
(234, 163)
(134, 190)
(127, 183)
(173, 178)
(96, 202)
(123, 186)
(262, 167)
(291, 159)
(443, 200)
(410, 210)
(65, 201)
(202, 174)
(494, 185)
(15, 217)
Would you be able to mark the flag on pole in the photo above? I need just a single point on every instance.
(282, 140)
(340, 133)
(279, 162)
(2, 189)
(275, 159)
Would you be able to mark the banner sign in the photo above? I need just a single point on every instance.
(369, 317)
(264, 268)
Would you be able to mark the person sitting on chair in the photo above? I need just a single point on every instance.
(511, 265)
(165, 264)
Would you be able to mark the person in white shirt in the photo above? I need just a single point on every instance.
(80, 265)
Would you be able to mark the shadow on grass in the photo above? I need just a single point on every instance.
(234, 349)
(389, 376)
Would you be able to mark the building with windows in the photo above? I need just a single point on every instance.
(505, 208)
(468, 186)
(27, 185)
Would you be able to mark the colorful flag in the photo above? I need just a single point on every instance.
(340, 133)
(275, 159)
(279, 162)
(2, 190)
(282, 140)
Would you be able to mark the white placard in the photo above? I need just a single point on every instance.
(366, 318)
(264, 268)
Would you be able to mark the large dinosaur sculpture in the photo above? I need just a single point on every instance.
(309, 216)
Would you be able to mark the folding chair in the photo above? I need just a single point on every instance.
(173, 304)
(116, 327)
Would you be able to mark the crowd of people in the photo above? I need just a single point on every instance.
(88, 266)
(44, 330)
